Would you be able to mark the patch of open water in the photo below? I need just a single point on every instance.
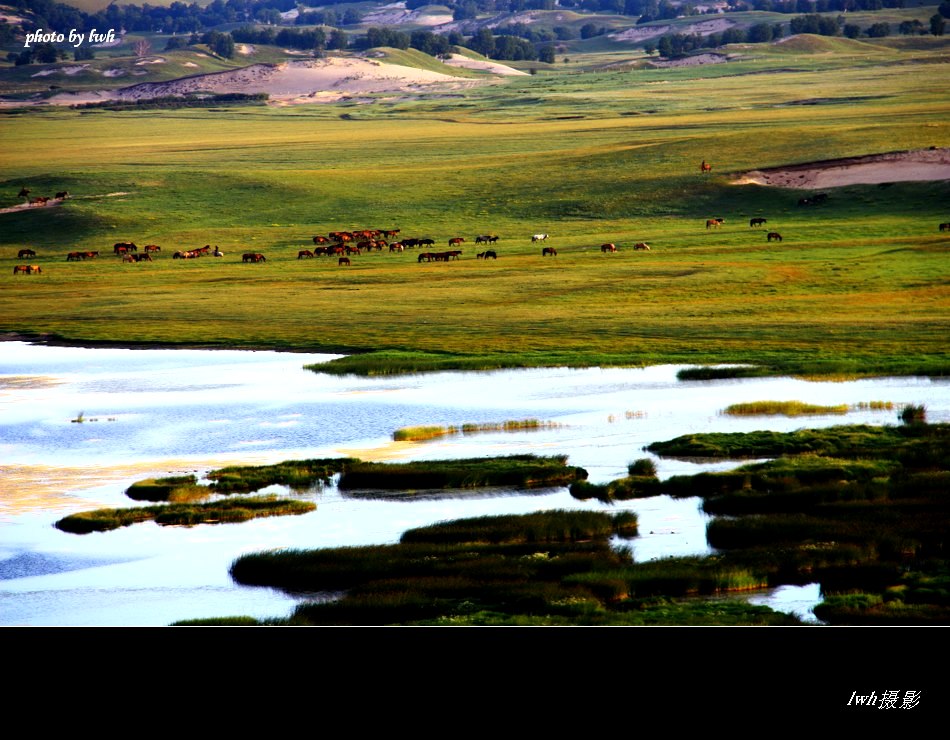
(161, 412)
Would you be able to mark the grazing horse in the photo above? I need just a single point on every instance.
(608, 248)
(90, 255)
(217, 252)
(62, 195)
(152, 248)
(41, 201)
(455, 241)
(34, 269)
(539, 237)
(425, 257)
(396, 247)
(73, 256)
(144, 257)
(549, 251)
(344, 262)
(17, 269)
(945, 227)
(490, 254)
(642, 246)
(320, 240)
(304, 253)
(757, 221)
(253, 257)
(774, 235)
(120, 247)
(717, 222)
(704, 167)
(25, 253)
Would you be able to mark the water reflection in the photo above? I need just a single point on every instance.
(161, 412)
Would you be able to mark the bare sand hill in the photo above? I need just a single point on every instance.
(457, 60)
(310, 80)
(872, 169)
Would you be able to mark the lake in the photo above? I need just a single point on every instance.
(78, 425)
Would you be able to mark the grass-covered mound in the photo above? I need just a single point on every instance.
(165, 489)
(640, 482)
(520, 471)
(782, 408)
(298, 475)
(218, 512)
(552, 567)
(839, 441)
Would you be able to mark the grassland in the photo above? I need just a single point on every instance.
(857, 286)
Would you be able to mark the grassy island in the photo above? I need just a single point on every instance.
(520, 471)
(218, 512)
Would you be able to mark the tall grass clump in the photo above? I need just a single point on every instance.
(298, 475)
(782, 408)
(913, 414)
(164, 489)
(422, 433)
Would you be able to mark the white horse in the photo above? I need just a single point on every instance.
(539, 237)
(217, 252)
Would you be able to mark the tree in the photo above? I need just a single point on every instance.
(142, 47)
(879, 30)
(937, 24)
(546, 54)
(337, 39)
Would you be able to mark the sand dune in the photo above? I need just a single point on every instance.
(906, 166)
(311, 80)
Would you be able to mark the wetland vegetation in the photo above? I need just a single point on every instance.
(868, 524)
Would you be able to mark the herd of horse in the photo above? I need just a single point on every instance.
(42, 200)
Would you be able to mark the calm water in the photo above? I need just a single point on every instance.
(158, 412)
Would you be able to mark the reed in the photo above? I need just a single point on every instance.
(782, 408)
(422, 433)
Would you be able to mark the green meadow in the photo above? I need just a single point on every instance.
(587, 153)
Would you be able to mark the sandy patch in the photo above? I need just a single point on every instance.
(157, 60)
(457, 60)
(245, 49)
(62, 70)
(906, 166)
(189, 64)
(692, 61)
(704, 28)
(396, 14)
(291, 82)
(113, 72)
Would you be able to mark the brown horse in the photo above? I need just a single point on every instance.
(253, 257)
(455, 241)
(549, 251)
(34, 269)
(25, 253)
(73, 256)
(41, 201)
(18, 269)
(344, 261)
(757, 221)
(304, 253)
(608, 247)
(152, 248)
(121, 247)
(642, 246)
(774, 235)
(945, 227)
(704, 167)
(716, 222)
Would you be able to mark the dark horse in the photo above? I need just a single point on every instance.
(705, 167)
(774, 235)
(757, 221)
(549, 251)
